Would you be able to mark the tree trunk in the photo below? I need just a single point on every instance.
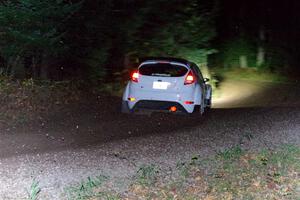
(17, 68)
(44, 74)
(36, 67)
(243, 61)
(260, 58)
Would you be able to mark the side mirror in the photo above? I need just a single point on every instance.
(206, 80)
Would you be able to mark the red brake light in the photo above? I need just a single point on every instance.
(135, 76)
(190, 78)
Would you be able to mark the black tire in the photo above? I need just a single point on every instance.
(208, 103)
(197, 110)
(125, 108)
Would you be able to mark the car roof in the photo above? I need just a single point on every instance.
(170, 59)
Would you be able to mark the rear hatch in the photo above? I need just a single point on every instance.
(165, 77)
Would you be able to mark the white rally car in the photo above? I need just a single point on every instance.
(170, 84)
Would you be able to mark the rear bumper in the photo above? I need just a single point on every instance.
(160, 100)
(158, 105)
(162, 105)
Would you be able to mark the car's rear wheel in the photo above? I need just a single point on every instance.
(125, 108)
(198, 110)
(208, 103)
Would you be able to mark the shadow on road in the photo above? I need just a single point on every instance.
(99, 120)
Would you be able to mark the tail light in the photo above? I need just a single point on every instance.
(173, 109)
(190, 78)
(135, 76)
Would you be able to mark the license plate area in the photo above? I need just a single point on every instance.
(160, 85)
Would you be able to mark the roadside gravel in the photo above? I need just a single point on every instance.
(118, 145)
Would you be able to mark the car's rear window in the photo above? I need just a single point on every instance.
(163, 69)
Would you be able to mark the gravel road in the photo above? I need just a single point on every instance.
(95, 139)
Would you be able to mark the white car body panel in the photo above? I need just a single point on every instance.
(167, 89)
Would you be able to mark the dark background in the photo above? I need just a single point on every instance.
(278, 19)
(95, 40)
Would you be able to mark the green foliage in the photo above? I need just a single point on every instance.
(181, 29)
(231, 153)
(96, 62)
(250, 74)
(286, 156)
(99, 34)
(34, 190)
(32, 25)
(235, 174)
(232, 50)
(147, 174)
(276, 58)
(33, 32)
(87, 189)
(111, 29)
(184, 168)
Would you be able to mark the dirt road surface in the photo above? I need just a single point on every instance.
(93, 138)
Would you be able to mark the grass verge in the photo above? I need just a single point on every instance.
(91, 188)
(230, 174)
(220, 75)
(251, 74)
